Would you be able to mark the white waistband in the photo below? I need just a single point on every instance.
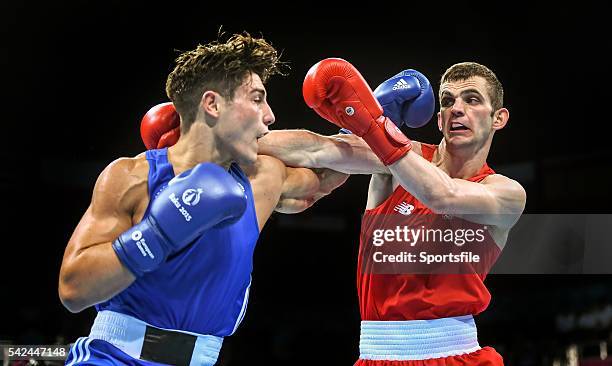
(417, 339)
(127, 333)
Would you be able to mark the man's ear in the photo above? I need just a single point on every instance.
(439, 121)
(500, 118)
(210, 103)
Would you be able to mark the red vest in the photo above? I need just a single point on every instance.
(418, 296)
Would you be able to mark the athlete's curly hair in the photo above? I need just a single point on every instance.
(220, 67)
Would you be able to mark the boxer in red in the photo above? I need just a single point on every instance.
(414, 319)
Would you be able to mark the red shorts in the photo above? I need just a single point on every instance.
(486, 356)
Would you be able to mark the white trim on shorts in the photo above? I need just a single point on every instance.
(417, 339)
(127, 333)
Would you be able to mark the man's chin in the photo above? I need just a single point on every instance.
(459, 141)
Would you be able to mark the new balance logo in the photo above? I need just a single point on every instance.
(404, 208)
(401, 84)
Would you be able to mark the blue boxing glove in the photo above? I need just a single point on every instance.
(407, 98)
(193, 202)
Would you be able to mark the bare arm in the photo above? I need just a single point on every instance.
(303, 187)
(90, 271)
(288, 190)
(302, 148)
(497, 200)
(381, 187)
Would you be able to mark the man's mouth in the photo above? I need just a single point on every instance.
(456, 126)
(262, 135)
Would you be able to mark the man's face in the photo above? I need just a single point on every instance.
(244, 120)
(465, 116)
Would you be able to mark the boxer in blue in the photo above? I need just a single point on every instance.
(165, 249)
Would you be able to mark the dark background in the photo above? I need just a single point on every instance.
(78, 79)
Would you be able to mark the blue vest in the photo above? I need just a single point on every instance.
(204, 288)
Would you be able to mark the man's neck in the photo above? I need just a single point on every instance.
(462, 163)
(198, 145)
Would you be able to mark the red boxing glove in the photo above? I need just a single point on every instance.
(160, 127)
(337, 92)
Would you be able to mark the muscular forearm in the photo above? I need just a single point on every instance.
(328, 181)
(92, 276)
(296, 148)
(302, 148)
(428, 183)
(303, 187)
(496, 200)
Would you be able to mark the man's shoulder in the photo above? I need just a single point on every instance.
(500, 179)
(124, 173)
(509, 186)
(127, 167)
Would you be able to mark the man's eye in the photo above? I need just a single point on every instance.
(473, 100)
(446, 102)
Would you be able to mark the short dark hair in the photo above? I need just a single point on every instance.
(466, 70)
(221, 67)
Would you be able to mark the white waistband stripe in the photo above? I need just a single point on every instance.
(127, 333)
(417, 339)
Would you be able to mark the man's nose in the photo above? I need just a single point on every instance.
(269, 116)
(458, 108)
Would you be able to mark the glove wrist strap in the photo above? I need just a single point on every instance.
(141, 248)
(387, 141)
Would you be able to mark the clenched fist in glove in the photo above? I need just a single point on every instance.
(337, 92)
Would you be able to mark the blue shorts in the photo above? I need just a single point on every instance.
(89, 351)
(117, 338)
